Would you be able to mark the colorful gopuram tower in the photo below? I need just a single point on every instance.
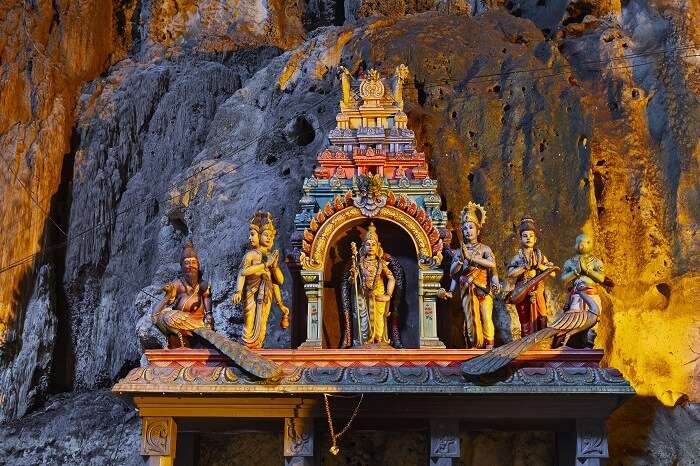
(371, 171)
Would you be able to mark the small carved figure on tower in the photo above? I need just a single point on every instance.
(371, 193)
(345, 79)
(474, 268)
(401, 73)
(527, 268)
(259, 281)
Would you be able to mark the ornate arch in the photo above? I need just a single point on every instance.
(400, 211)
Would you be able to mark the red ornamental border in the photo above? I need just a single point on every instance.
(401, 202)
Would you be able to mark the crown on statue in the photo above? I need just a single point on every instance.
(262, 221)
(474, 213)
(527, 224)
(188, 251)
(371, 233)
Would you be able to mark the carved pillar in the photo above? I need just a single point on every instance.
(591, 442)
(313, 288)
(298, 441)
(428, 285)
(444, 442)
(158, 435)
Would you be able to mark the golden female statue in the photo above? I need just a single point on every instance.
(371, 287)
(259, 281)
(474, 268)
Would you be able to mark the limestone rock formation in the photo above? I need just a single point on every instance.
(135, 125)
(25, 381)
(139, 131)
(84, 428)
(221, 25)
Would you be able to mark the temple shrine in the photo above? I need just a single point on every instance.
(370, 258)
(370, 172)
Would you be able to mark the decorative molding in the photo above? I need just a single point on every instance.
(158, 436)
(591, 441)
(316, 244)
(372, 88)
(298, 436)
(402, 379)
(444, 438)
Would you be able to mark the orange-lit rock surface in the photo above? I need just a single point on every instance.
(47, 51)
(224, 25)
(185, 117)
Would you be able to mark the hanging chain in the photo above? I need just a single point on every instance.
(334, 437)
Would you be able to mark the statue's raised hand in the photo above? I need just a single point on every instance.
(468, 257)
(170, 293)
(274, 258)
(444, 294)
(584, 266)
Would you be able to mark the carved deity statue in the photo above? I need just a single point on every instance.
(528, 265)
(582, 275)
(401, 73)
(345, 80)
(367, 290)
(185, 314)
(474, 269)
(189, 297)
(259, 281)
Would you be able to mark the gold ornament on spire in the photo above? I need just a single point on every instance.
(372, 87)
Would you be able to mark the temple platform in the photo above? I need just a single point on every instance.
(184, 393)
(373, 371)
